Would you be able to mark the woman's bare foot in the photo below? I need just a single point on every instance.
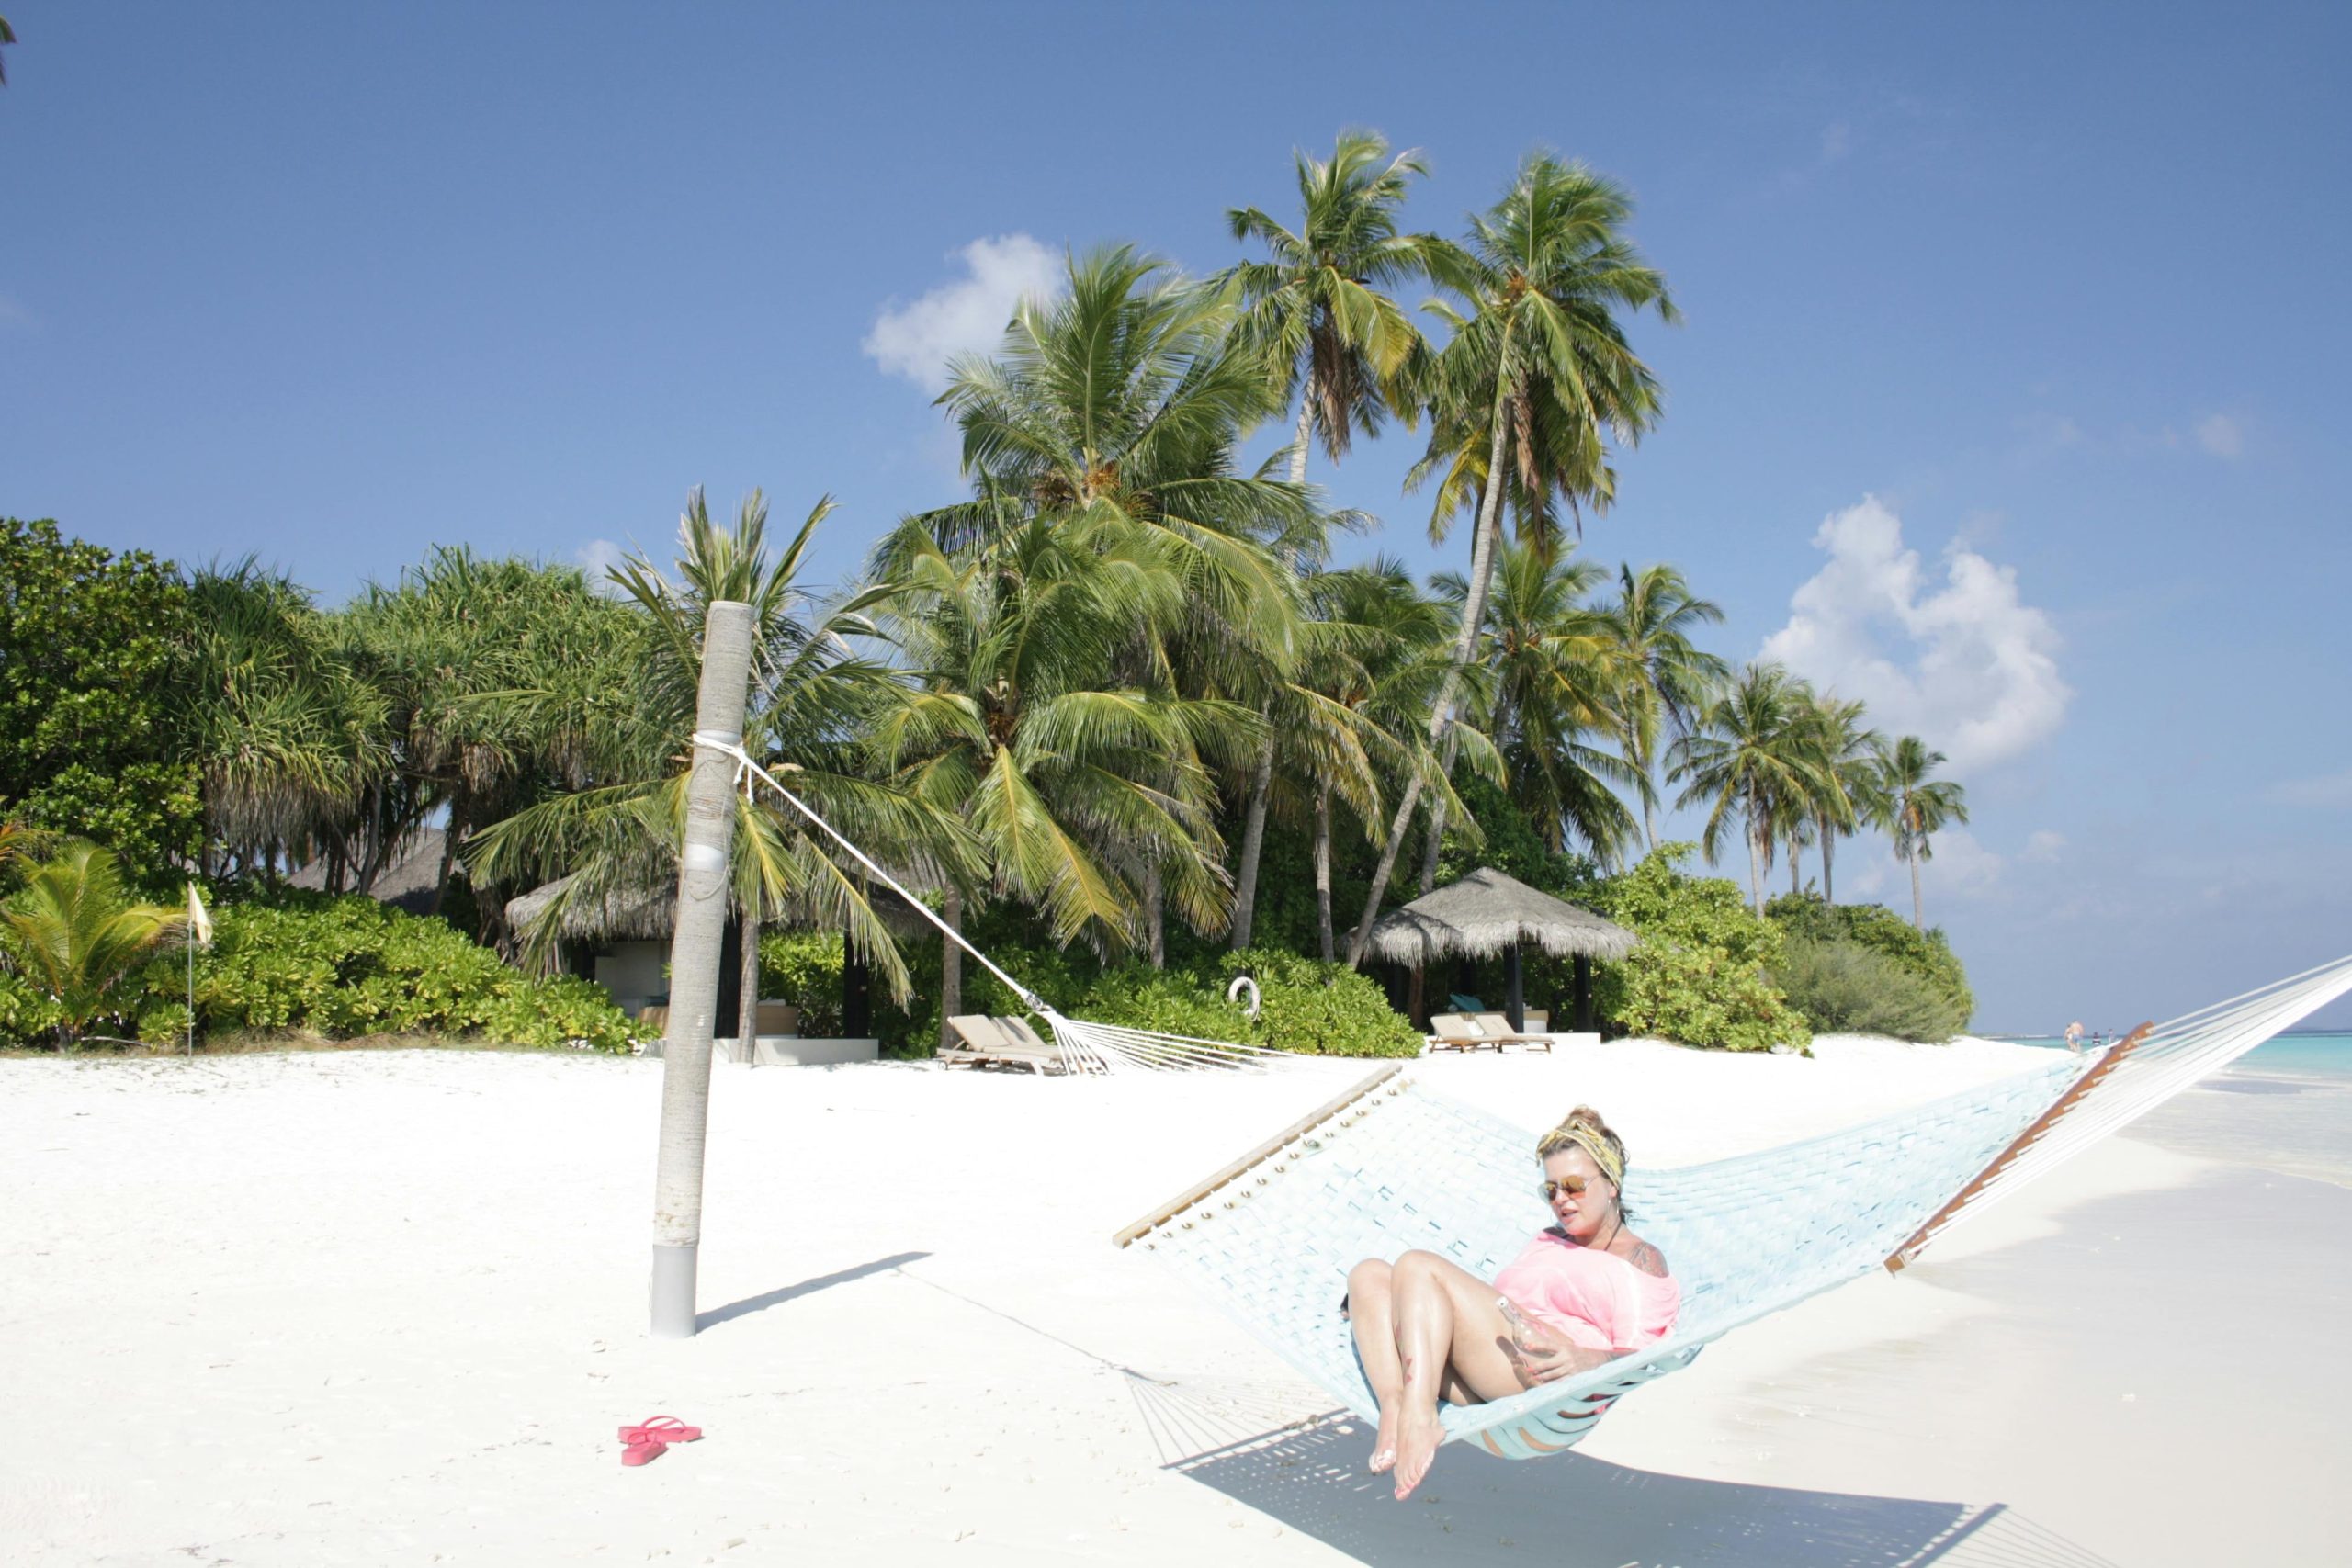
(1383, 1443)
(1417, 1434)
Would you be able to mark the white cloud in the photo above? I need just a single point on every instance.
(2221, 435)
(965, 315)
(2043, 847)
(1957, 865)
(1965, 665)
(2329, 792)
(598, 557)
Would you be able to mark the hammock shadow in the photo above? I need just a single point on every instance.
(1585, 1513)
(784, 1294)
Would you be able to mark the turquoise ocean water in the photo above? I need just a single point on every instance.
(2285, 1106)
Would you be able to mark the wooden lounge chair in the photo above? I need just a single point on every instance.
(1460, 1032)
(1504, 1034)
(1000, 1043)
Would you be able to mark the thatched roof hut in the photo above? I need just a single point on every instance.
(1486, 913)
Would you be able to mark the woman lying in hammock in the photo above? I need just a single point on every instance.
(1586, 1291)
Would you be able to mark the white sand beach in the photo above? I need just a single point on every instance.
(387, 1307)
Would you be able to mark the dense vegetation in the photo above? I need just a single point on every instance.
(1116, 709)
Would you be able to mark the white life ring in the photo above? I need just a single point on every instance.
(1240, 984)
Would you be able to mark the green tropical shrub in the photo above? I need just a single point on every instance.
(1701, 974)
(1843, 988)
(76, 935)
(342, 966)
(805, 969)
(1924, 956)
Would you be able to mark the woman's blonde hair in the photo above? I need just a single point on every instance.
(1585, 1130)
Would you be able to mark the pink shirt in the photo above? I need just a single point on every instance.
(1599, 1301)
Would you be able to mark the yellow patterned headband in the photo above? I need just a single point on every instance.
(1590, 1141)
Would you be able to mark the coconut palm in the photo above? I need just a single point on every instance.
(1842, 745)
(1556, 679)
(77, 933)
(1332, 338)
(1911, 805)
(1535, 378)
(1670, 681)
(1116, 409)
(812, 692)
(1749, 754)
(8, 35)
(1378, 658)
(1084, 795)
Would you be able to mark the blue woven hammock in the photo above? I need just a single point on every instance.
(1391, 1167)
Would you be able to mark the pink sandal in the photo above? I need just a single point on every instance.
(645, 1441)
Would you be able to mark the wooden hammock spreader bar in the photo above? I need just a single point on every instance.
(1161, 1213)
(2076, 1093)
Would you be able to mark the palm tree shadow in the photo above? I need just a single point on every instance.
(1584, 1513)
(783, 1293)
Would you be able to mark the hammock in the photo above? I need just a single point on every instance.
(1388, 1167)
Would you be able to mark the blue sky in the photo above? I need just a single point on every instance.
(2042, 305)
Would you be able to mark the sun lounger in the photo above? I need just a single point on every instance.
(1000, 1043)
(1504, 1034)
(1458, 1031)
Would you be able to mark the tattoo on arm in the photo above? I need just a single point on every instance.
(1648, 1259)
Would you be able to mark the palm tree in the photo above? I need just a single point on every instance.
(1113, 412)
(287, 729)
(1379, 656)
(8, 35)
(1749, 754)
(1556, 680)
(77, 933)
(1083, 798)
(812, 695)
(1332, 338)
(1529, 381)
(1842, 745)
(1668, 680)
(503, 678)
(1911, 806)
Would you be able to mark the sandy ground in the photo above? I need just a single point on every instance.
(389, 1308)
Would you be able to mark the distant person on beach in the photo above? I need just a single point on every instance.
(1586, 1291)
(2074, 1037)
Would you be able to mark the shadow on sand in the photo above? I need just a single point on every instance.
(784, 1294)
(1583, 1513)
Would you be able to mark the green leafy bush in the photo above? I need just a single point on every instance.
(1308, 1006)
(805, 969)
(1925, 956)
(1844, 987)
(346, 965)
(1701, 976)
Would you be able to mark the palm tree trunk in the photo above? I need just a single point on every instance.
(1253, 837)
(449, 857)
(1796, 870)
(950, 960)
(1261, 783)
(1323, 868)
(1828, 854)
(1436, 842)
(1756, 854)
(747, 1005)
(1473, 611)
(1155, 923)
(1918, 914)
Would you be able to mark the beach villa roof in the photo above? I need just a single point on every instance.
(1487, 912)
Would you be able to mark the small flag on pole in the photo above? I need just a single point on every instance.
(199, 923)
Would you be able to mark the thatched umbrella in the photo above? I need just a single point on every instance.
(1487, 912)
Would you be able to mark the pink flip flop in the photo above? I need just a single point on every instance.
(646, 1441)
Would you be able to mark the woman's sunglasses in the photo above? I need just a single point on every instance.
(1573, 1186)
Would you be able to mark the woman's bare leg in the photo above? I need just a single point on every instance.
(1450, 1337)
(1372, 1315)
